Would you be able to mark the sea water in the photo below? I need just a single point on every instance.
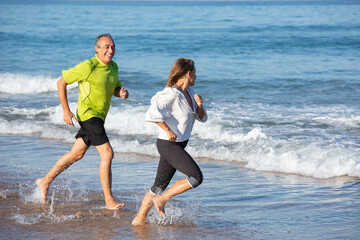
(280, 80)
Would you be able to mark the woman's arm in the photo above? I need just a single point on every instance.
(171, 135)
(200, 110)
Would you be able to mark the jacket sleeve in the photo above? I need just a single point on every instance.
(160, 108)
(205, 117)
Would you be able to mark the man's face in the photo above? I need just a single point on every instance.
(106, 51)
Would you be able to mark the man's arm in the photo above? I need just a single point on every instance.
(68, 115)
(121, 92)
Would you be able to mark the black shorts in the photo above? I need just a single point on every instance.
(92, 132)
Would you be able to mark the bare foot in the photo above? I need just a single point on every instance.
(138, 221)
(44, 189)
(159, 204)
(114, 206)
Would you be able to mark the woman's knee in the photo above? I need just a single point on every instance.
(195, 181)
(158, 189)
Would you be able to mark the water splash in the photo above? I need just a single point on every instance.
(3, 194)
(30, 193)
(176, 215)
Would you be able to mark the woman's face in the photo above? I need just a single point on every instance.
(192, 75)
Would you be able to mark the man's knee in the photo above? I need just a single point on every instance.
(105, 151)
(109, 155)
(79, 156)
(76, 155)
(78, 150)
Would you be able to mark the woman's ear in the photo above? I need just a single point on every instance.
(188, 74)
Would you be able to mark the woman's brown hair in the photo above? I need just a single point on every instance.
(179, 69)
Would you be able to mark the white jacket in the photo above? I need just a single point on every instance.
(170, 106)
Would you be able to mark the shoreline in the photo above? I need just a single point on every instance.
(232, 203)
(138, 157)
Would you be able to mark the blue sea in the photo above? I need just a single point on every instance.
(280, 151)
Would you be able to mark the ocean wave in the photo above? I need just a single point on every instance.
(20, 127)
(310, 160)
(27, 84)
(346, 122)
(222, 139)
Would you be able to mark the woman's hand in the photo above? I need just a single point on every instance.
(198, 99)
(171, 135)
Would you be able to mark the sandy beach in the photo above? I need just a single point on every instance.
(279, 152)
(233, 202)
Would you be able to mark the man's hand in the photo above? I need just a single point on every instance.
(121, 92)
(124, 93)
(68, 116)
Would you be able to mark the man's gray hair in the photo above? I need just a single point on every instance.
(100, 36)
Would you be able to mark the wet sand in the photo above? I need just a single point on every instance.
(232, 203)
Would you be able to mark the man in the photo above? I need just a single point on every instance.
(98, 82)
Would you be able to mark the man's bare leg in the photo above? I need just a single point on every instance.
(179, 187)
(106, 154)
(146, 205)
(76, 153)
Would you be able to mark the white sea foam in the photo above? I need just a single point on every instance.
(27, 84)
(215, 140)
(19, 127)
(29, 113)
(56, 113)
(123, 146)
(310, 160)
(220, 138)
(346, 122)
(130, 120)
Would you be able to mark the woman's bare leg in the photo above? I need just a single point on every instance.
(145, 208)
(179, 187)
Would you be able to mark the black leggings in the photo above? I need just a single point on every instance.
(174, 157)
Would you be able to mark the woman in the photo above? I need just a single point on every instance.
(174, 110)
